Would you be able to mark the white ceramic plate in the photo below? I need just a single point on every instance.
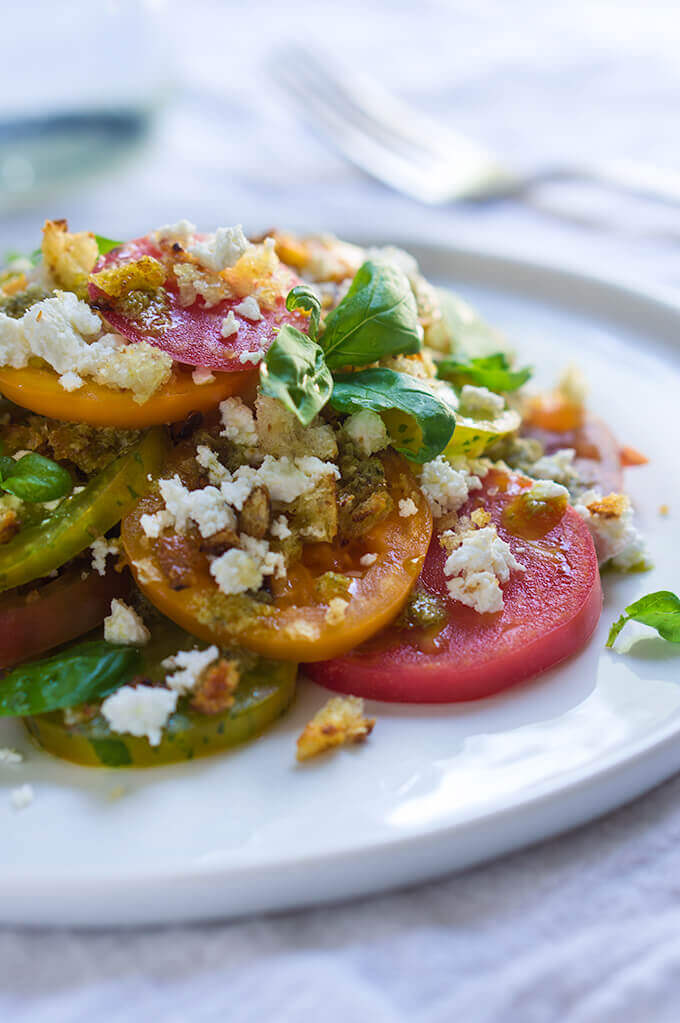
(436, 788)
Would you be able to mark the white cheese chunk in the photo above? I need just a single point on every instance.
(230, 325)
(235, 571)
(124, 627)
(238, 422)
(548, 490)
(101, 548)
(367, 430)
(22, 797)
(279, 528)
(368, 559)
(188, 667)
(222, 249)
(140, 710)
(183, 232)
(202, 375)
(249, 309)
(478, 563)
(480, 403)
(206, 507)
(446, 488)
(407, 507)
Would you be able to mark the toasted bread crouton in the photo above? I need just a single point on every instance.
(215, 691)
(280, 433)
(613, 506)
(255, 514)
(340, 721)
(314, 516)
(143, 274)
(69, 257)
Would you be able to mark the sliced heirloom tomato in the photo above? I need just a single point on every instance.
(60, 610)
(294, 626)
(193, 334)
(550, 612)
(83, 517)
(558, 423)
(40, 391)
(264, 692)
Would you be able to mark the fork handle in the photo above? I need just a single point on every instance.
(645, 180)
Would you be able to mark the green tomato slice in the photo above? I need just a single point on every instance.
(81, 518)
(473, 436)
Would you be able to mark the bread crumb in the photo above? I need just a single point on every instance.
(339, 721)
(480, 517)
(664, 509)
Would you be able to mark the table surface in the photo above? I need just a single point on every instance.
(582, 928)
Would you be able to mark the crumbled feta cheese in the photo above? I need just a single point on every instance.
(446, 488)
(558, 467)
(479, 561)
(222, 249)
(140, 710)
(193, 281)
(206, 507)
(202, 375)
(189, 665)
(230, 325)
(10, 756)
(368, 559)
(207, 459)
(270, 563)
(153, 525)
(235, 571)
(480, 403)
(367, 430)
(407, 507)
(238, 422)
(71, 381)
(124, 626)
(287, 479)
(22, 797)
(183, 232)
(337, 611)
(548, 490)
(146, 571)
(610, 521)
(249, 308)
(254, 357)
(279, 528)
(101, 548)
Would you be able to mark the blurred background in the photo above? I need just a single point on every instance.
(123, 115)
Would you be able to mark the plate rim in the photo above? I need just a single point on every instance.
(582, 794)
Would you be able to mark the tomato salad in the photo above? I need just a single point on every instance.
(226, 461)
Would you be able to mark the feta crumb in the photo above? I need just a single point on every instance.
(479, 561)
(238, 422)
(71, 381)
(146, 571)
(367, 430)
(548, 490)
(407, 507)
(206, 507)
(207, 459)
(183, 232)
(339, 721)
(10, 756)
(153, 525)
(610, 521)
(101, 548)
(230, 325)
(368, 559)
(270, 562)
(22, 797)
(222, 249)
(557, 467)
(254, 357)
(337, 610)
(480, 403)
(140, 710)
(300, 629)
(189, 665)
(124, 627)
(445, 487)
(235, 571)
(279, 528)
(249, 308)
(202, 375)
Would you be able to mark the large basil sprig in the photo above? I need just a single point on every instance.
(376, 318)
(661, 610)
(490, 371)
(83, 673)
(34, 478)
(420, 425)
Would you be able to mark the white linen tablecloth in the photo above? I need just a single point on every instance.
(582, 929)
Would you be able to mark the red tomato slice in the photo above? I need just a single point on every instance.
(550, 612)
(194, 335)
(58, 611)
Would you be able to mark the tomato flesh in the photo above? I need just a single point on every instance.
(59, 611)
(550, 612)
(193, 334)
(597, 453)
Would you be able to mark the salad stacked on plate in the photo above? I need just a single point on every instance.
(225, 458)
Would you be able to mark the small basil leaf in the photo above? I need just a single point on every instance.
(420, 425)
(6, 466)
(294, 371)
(35, 478)
(83, 673)
(491, 371)
(661, 610)
(304, 298)
(105, 245)
(376, 318)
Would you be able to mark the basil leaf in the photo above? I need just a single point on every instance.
(83, 673)
(420, 425)
(661, 610)
(105, 245)
(302, 297)
(35, 478)
(7, 464)
(465, 331)
(294, 371)
(490, 371)
(376, 318)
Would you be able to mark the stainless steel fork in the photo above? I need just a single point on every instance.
(422, 158)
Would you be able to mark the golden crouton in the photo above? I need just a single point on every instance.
(281, 433)
(216, 688)
(143, 274)
(340, 721)
(613, 506)
(68, 257)
(480, 517)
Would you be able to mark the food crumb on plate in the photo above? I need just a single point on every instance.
(21, 797)
(339, 721)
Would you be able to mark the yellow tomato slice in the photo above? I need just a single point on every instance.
(297, 625)
(40, 391)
